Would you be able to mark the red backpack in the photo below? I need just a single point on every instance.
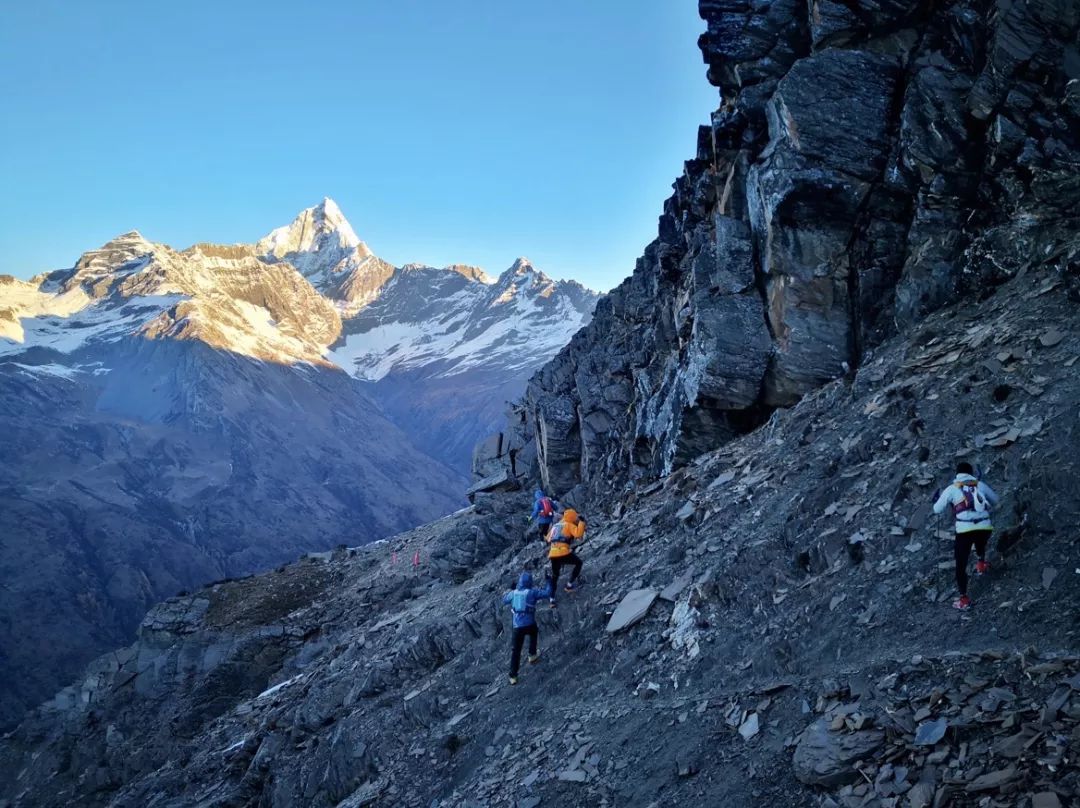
(547, 510)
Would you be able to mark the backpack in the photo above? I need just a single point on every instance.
(519, 601)
(973, 500)
(547, 510)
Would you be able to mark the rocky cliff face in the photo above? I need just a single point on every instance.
(869, 163)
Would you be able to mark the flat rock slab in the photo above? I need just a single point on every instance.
(921, 795)
(686, 511)
(1051, 338)
(750, 727)
(992, 780)
(930, 732)
(500, 481)
(825, 758)
(672, 591)
(1045, 799)
(572, 776)
(634, 606)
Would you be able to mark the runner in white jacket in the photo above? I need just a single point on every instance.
(971, 501)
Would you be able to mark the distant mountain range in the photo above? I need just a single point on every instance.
(171, 417)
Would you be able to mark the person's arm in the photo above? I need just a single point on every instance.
(545, 592)
(943, 500)
(989, 493)
(535, 510)
(506, 599)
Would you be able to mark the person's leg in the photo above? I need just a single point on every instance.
(963, 552)
(981, 538)
(515, 654)
(556, 566)
(573, 559)
(534, 636)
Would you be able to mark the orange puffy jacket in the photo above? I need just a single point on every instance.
(564, 532)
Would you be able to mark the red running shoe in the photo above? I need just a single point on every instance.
(982, 566)
(963, 603)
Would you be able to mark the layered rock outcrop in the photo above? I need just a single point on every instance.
(869, 163)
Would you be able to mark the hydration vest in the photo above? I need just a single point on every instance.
(519, 602)
(973, 500)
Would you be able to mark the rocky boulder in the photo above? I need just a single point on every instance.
(827, 758)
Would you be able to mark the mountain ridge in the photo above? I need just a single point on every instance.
(319, 244)
(146, 388)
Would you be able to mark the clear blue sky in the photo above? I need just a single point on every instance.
(469, 131)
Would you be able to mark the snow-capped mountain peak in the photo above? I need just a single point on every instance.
(98, 271)
(315, 229)
(472, 273)
(322, 244)
(310, 292)
(441, 348)
(464, 270)
(426, 319)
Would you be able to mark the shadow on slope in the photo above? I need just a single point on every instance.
(168, 464)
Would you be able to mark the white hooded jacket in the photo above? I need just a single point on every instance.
(977, 519)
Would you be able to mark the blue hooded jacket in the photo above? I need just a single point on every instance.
(522, 601)
(538, 495)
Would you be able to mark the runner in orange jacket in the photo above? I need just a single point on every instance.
(564, 533)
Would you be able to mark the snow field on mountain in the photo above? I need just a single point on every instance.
(244, 299)
(19, 301)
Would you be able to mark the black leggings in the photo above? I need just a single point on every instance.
(964, 541)
(558, 563)
(519, 640)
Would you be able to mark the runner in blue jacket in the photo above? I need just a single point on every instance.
(543, 513)
(522, 602)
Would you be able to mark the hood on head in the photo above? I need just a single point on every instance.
(525, 580)
(966, 478)
(538, 494)
(569, 515)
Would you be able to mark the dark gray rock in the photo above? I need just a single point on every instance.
(826, 758)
